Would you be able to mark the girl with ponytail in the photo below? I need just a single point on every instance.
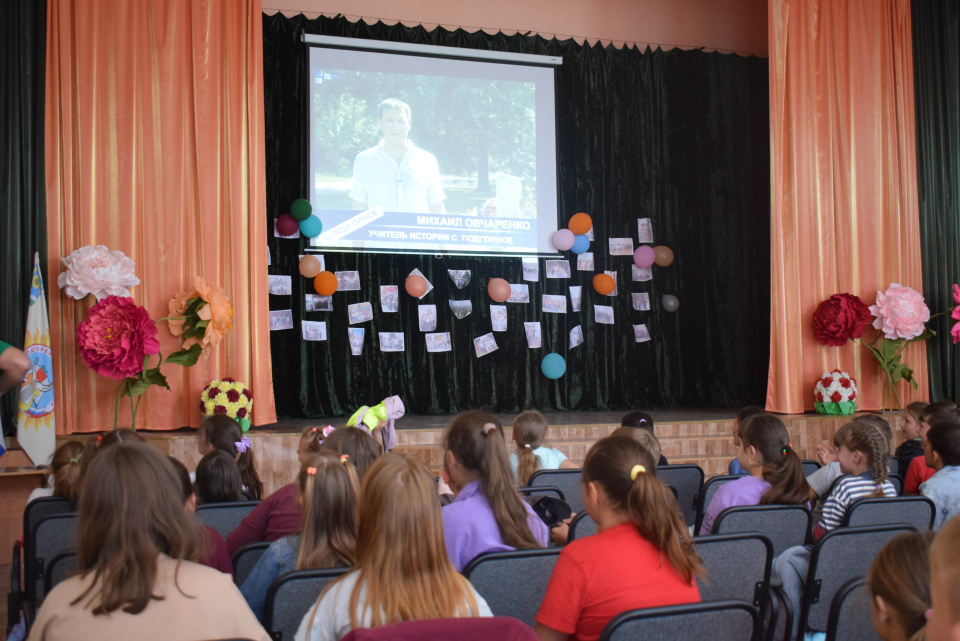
(899, 580)
(528, 431)
(775, 472)
(487, 514)
(641, 557)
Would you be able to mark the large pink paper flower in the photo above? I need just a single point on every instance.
(96, 270)
(116, 338)
(955, 315)
(900, 312)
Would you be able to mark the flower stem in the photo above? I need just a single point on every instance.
(133, 412)
(116, 408)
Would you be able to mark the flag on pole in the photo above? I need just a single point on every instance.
(36, 424)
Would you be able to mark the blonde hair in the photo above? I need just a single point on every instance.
(328, 528)
(528, 430)
(402, 561)
(642, 436)
(900, 575)
(866, 438)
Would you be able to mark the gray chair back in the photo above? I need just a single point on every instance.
(45, 506)
(567, 481)
(893, 466)
(851, 616)
(581, 526)
(688, 480)
(291, 596)
(737, 566)
(245, 559)
(842, 554)
(513, 582)
(897, 482)
(784, 525)
(918, 511)
(810, 466)
(715, 620)
(529, 490)
(710, 488)
(224, 517)
(61, 567)
(50, 536)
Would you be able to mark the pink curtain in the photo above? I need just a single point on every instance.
(154, 146)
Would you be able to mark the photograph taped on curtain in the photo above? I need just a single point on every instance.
(534, 335)
(644, 231)
(347, 281)
(519, 293)
(281, 319)
(314, 330)
(485, 344)
(640, 333)
(640, 274)
(576, 295)
(360, 313)
(427, 315)
(318, 303)
(558, 269)
(439, 342)
(603, 314)
(355, 336)
(498, 318)
(531, 268)
(641, 301)
(553, 304)
(389, 298)
(621, 246)
(613, 275)
(392, 342)
(576, 336)
(279, 285)
(585, 262)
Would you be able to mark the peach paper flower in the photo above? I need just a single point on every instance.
(900, 312)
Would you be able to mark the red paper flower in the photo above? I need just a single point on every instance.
(836, 397)
(116, 338)
(219, 409)
(840, 318)
(233, 395)
(212, 392)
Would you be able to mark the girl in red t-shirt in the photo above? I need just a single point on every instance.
(642, 555)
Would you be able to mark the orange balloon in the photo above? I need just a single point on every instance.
(498, 289)
(309, 266)
(415, 285)
(325, 283)
(604, 284)
(664, 255)
(580, 224)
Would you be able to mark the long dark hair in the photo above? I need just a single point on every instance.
(626, 472)
(218, 479)
(328, 529)
(223, 433)
(358, 444)
(782, 468)
(476, 440)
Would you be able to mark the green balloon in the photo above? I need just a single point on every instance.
(301, 209)
(311, 227)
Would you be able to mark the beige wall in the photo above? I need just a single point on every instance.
(724, 25)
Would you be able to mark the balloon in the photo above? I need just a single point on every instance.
(670, 303)
(498, 289)
(580, 245)
(580, 224)
(563, 239)
(644, 256)
(604, 284)
(553, 366)
(325, 283)
(415, 285)
(664, 255)
(287, 224)
(301, 209)
(311, 227)
(309, 266)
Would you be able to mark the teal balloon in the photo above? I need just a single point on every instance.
(301, 209)
(580, 244)
(553, 365)
(311, 227)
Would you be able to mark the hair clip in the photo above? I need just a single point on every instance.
(99, 438)
(642, 420)
(344, 458)
(488, 427)
(636, 470)
(527, 445)
(243, 444)
(328, 430)
(311, 471)
(73, 460)
(314, 429)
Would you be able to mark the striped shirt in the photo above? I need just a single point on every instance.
(848, 490)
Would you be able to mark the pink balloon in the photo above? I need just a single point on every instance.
(287, 224)
(644, 256)
(563, 239)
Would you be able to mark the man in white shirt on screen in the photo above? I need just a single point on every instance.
(396, 174)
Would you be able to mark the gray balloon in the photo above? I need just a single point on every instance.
(670, 302)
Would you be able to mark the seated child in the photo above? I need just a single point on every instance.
(213, 550)
(744, 414)
(774, 471)
(643, 421)
(912, 446)
(942, 453)
(641, 556)
(918, 471)
(220, 432)
(943, 618)
(899, 580)
(528, 431)
(218, 479)
(64, 477)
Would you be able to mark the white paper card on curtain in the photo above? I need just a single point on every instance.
(318, 303)
(576, 336)
(429, 284)
(585, 262)
(612, 275)
(460, 277)
(640, 333)
(281, 319)
(603, 314)
(534, 337)
(389, 298)
(355, 336)
(427, 314)
(621, 246)
(392, 342)
(498, 318)
(347, 281)
(531, 268)
(279, 285)
(461, 308)
(519, 293)
(644, 231)
(360, 313)
(558, 269)
(576, 294)
(439, 342)
(640, 274)
(314, 330)
(553, 304)
(590, 234)
(485, 344)
(641, 301)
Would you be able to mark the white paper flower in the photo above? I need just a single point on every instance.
(96, 270)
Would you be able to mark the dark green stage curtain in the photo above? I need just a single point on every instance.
(936, 68)
(23, 225)
(680, 137)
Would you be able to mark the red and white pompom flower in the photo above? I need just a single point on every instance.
(227, 396)
(836, 387)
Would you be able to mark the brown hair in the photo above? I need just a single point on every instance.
(218, 479)
(900, 575)
(528, 431)
(97, 442)
(311, 440)
(224, 434)
(649, 503)
(915, 409)
(358, 444)
(881, 424)
(866, 438)
(186, 487)
(939, 411)
(328, 528)
(944, 439)
(945, 562)
(637, 418)
(476, 441)
(782, 468)
(401, 555)
(642, 436)
(65, 468)
(129, 513)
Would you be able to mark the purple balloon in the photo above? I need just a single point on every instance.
(563, 239)
(644, 256)
(287, 224)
